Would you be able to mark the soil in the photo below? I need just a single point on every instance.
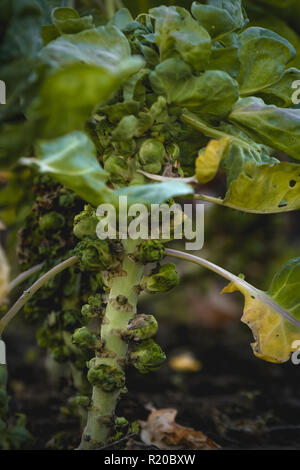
(236, 399)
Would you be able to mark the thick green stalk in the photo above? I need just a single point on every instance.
(121, 307)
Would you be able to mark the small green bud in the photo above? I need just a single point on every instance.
(61, 354)
(117, 168)
(84, 338)
(121, 422)
(140, 327)
(70, 319)
(151, 150)
(147, 356)
(137, 179)
(80, 400)
(107, 377)
(66, 199)
(93, 309)
(94, 254)
(85, 223)
(162, 281)
(51, 221)
(149, 252)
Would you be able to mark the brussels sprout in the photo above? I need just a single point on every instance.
(93, 309)
(140, 327)
(149, 251)
(121, 422)
(147, 356)
(94, 255)
(107, 377)
(51, 221)
(84, 338)
(117, 168)
(61, 354)
(137, 178)
(151, 155)
(85, 222)
(162, 281)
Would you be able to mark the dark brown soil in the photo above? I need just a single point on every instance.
(238, 400)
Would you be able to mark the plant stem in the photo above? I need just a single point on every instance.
(102, 411)
(243, 285)
(23, 276)
(27, 294)
(110, 8)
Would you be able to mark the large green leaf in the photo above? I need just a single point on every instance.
(224, 55)
(68, 97)
(211, 94)
(155, 193)
(20, 42)
(273, 316)
(72, 161)
(280, 93)
(219, 16)
(277, 127)
(68, 21)
(263, 55)
(105, 46)
(178, 34)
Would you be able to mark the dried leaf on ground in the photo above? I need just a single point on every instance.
(162, 431)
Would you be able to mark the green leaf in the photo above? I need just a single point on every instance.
(68, 21)
(178, 34)
(277, 127)
(220, 16)
(211, 94)
(68, 97)
(224, 55)
(242, 150)
(265, 188)
(273, 316)
(280, 93)
(263, 55)
(155, 193)
(72, 161)
(121, 19)
(105, 46)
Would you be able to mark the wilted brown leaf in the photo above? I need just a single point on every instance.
(162, 431)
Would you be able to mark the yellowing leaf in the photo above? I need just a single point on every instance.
(268, 188)
(273, 316)
(209, 159)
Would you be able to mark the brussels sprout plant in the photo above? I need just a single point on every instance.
(151, 108)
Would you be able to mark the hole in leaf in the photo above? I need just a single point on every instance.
(292, 183)
(283, 203)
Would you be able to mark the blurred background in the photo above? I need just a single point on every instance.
(211, 376)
